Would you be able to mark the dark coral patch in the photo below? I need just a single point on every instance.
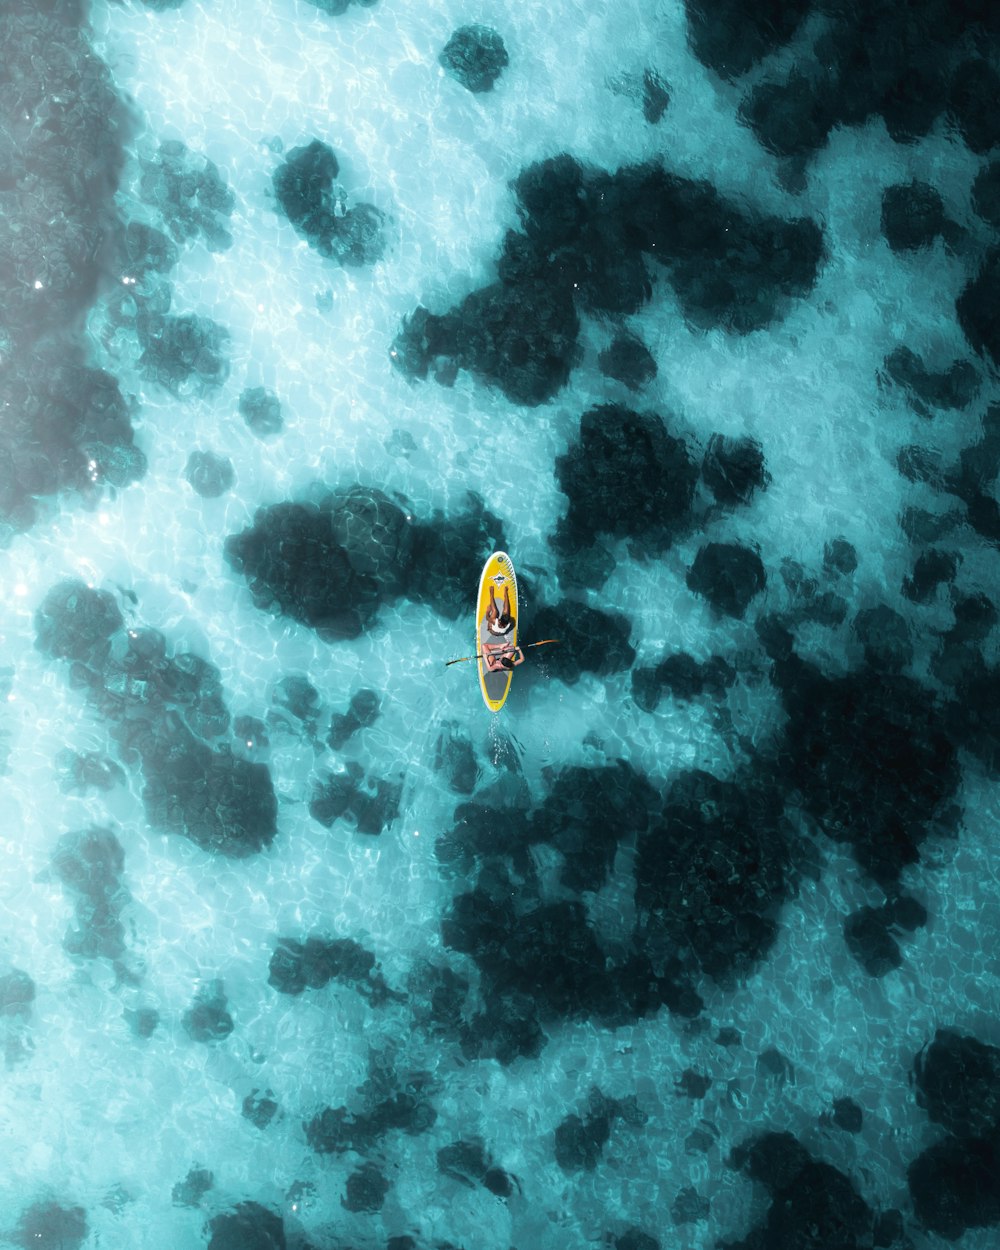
(712, 875)
(583, 246)
(636, 1239)
(586, 814)
(579, 1143)
(520, 336)
(208, 1018)
(732, 36)
(813, 1205)
(689, 1207)
(221, 802)
(847, 1115)
(50, 1226)
(296, 567)
(90, 864)
(733, 468)
(295, 702)
(628, 360)
(332, 564)
(886, 59)
(305, 190)
(66, 427)
(872, 757)
(88, 770)
(958, 1084)
(389, 1103)
(190, 1191)
(729, 269)
(448, 554)
(303, 184)
(975, 85)
(954, 387)
(685, 679)
(788, 117)
(868, 936)
(370, 804)
(692, 1084)
(953, 1185)
(953, 1181)
(366, 1189)
(580, 1140)
(362, 712)
(655, 96)
(261, 410)
(978, 463)
(468, 1162)
(729, 576)
(542, 961)
(885, 636)
(192, 196)
(165, 713)
(986, 194)
(976, 308)
(297, 966)
(932, 569)
(437, 996)
(259, 1109)
(62, 159)
(184, 354)
(335, 1130)
(912, 216)
(334, 8)
(249, 1226)
(17, 993)
(626, 476)
(590, 641)
(377, 534)
(506, 1029)
(143, 1021)
(548, 953)
(146, 250)
(475, 56)
(76, 622)
(210, 475)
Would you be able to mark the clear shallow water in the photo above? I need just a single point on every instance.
(95, 1117)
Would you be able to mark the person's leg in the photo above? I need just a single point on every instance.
(506, 602)
(493, 611)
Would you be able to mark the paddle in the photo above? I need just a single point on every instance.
(462, 658)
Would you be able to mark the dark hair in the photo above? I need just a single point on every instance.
(508, 660)
(506, 620)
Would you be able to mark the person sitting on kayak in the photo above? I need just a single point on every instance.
(498, 657)
(498, 622)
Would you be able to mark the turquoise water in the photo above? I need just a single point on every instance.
(563, 916)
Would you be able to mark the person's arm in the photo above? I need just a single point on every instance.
(518, 656)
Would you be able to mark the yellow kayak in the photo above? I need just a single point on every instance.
(498, 576)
